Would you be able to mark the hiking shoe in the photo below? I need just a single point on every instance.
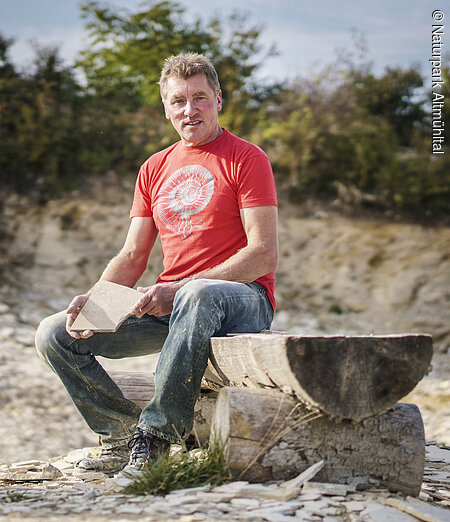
(110, 460)
(145, 447)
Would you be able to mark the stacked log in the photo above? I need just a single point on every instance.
(139, 387)
(288, 401)
(271, 437)
(345, 377)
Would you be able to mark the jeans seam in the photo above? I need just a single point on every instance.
(71, 356)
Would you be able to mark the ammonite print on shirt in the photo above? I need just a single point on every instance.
(187, 192)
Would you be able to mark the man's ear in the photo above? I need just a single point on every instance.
(219, 100)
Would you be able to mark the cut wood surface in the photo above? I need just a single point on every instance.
(270, 436)
(346, 377)
(139, 387)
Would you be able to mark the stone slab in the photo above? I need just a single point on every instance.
(23, 474)
(377, 513)
(327, 489)
(420, 510)
(436, 454)
(107, 307)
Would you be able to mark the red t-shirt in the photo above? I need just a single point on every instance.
(194, 195)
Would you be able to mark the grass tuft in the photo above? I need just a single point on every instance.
(186, 470)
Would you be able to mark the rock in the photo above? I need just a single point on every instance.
(304, 477)
(28, 465)
(245, 503)
(324, 488)
(321, 289)
(282, 494)
(90, 476)
(6, 332)
(420, 510)
(436, 454)
(117, 483)
(379, 513)
(77, 455)
(30, 473)
(292, 488)
(4, 308)
(353, 505)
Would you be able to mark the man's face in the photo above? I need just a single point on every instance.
(193, 107)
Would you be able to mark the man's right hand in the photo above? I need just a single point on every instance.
(72, 312)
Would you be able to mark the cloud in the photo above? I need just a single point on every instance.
(69, 41)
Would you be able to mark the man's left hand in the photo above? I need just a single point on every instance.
(157, 299)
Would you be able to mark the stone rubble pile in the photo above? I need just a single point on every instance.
(36, 489)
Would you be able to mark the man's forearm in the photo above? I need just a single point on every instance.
(245, 266)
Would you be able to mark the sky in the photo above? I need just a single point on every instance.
(306, 33)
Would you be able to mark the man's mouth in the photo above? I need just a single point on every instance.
(193, 123)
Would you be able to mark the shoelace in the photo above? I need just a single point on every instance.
(140, 444)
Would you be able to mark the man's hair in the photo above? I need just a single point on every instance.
(185, 65)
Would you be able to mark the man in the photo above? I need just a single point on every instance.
(211, 197)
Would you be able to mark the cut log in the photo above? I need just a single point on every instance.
(269, 436)
(346, 377)
(139, 387)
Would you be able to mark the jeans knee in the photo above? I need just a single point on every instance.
(196, 292)
(49, 329)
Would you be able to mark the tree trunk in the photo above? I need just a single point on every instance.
(269, 436)
(139, 387)
(345, 377)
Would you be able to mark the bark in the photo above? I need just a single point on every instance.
(269, 436)
(345, 377)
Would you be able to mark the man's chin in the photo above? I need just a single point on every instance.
(192, 137)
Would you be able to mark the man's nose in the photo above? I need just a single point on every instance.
(190, 108)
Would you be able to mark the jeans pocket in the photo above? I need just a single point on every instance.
(269, 313)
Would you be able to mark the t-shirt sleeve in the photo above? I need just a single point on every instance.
(142, 204)
(255, 183)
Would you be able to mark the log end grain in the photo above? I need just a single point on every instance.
(360, 376)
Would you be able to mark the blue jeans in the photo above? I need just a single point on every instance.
(202, 309)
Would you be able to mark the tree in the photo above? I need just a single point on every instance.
(12, 97)
(318, 136)
(38, 130)
(126, 50)
(126, 53)
(392, 96)
(238, 54)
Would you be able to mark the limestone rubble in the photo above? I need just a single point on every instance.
(76, 495)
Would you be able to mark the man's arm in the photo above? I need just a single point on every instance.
(124, 269)
(130, 263)
(257, 258)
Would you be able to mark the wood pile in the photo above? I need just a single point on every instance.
(287, 402)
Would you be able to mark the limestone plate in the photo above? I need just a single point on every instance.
(107, 308)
